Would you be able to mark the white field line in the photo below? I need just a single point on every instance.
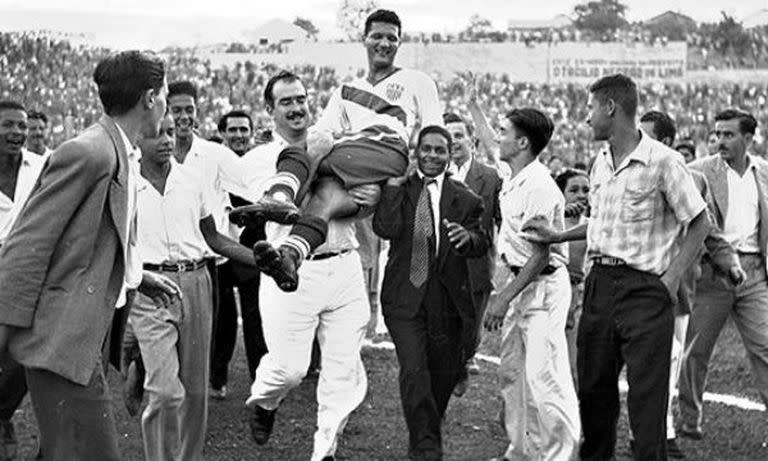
(730, 400)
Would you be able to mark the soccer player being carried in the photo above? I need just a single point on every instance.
(362, 137)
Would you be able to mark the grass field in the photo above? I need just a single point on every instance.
(376, 431)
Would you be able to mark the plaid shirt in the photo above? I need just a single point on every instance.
(640, 209)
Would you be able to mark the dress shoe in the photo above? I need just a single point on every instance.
(690, 432)
(673, 450)
(218, 394)
(266, 209)
(133, 388)
(328, 458)
(261, 422)
(8, 444)
(279, 263)
(473, 368)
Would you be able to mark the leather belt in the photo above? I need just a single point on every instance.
(331, 254)
(549, 269)
(608, 261)
(181, 266)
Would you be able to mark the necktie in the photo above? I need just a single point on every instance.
(423, 230)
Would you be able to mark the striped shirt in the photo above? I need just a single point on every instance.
(396, 107)
(639, 210)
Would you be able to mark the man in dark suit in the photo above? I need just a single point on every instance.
(69, 257)
(433, 223)
(485, 182)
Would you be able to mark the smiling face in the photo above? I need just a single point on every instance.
(432, 154)
(184, 112)
(463, 146)
(290, 112)
(577, 190)
(381, 43)
(13, 131)
(237, 134)
(38, 131)
(158, 147)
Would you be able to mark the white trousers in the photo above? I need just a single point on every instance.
(332, 302)
(541, 413)
(675, 365)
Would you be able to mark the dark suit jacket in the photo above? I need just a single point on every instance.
(714, 170)
(485, 182)
(62, 267)
(394, 221)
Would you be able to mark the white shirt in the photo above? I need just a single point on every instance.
(259, 165)
(532, 192)
(133, 265)
(222, 172)
(459, 173)
(29, 171)
(742, 220)
(435, 192)
(169, 223)
(46, 153)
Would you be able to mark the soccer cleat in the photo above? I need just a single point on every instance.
(266, 209)
(280, 264)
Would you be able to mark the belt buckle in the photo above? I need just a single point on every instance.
(180, 267)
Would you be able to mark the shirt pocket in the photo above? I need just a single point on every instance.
(637, 204)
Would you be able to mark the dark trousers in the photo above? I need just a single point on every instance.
(75, 422)
(225, 325)
(429, 351)
(13, 387)
(627, 319)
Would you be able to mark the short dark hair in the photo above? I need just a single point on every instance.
(182, 87)
(686, 144)
(122, 79)
(620, 88)
(7, 104)
(562, 179)
(385, 16)
(283, 75)
(435, 129)
(222, 126)
(452, 117)
(36, 115)
(534, 125)
(216, 138)
(747, 122)
(663, 125)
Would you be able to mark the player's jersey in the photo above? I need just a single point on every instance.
(397, 106)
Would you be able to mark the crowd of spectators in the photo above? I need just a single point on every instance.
(54, 76)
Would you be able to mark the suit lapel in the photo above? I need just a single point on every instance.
(118, 188)
(718, 182)
(447, 199)
(474, 179)
(761, 179)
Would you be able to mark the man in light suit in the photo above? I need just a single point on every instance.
(69, 258)
(433, 223)
(485, 182)
(739, 186)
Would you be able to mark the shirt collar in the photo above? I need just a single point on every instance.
(641, 153)
(527, 172)
(130, 150)
(750, 164)
(438, 179)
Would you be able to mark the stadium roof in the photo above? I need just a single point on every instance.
(276, 31)
(558, 22)
(756, 19)
(671, 16)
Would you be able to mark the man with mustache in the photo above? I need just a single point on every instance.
(19, 170)
(362, 137)
(38, 134)
(739, 185)
(331, 303)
